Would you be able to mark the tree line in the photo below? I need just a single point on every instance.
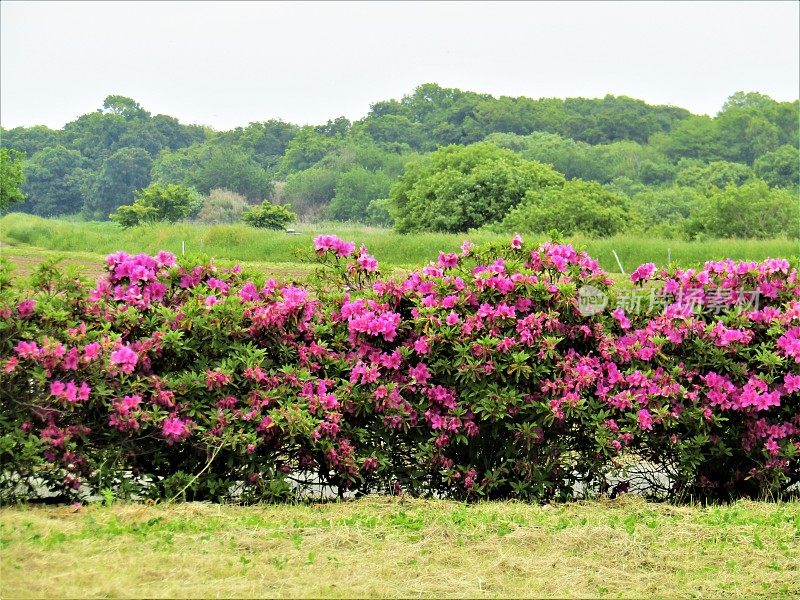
(596, 166)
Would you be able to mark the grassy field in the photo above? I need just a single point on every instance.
(383, 547)
(243, 243)
(24, 259)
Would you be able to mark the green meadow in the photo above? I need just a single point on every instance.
(20, 233)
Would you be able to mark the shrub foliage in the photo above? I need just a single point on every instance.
(477, 376)
(269, 216)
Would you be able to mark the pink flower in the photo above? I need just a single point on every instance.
(516, 242)
(420, 373)
(643, 272)
(70, 360)
(791, 383)
(27, 349)
(789, 343)
(249, 292)
(26, 308)
(83, 392)
(174, 429)
(125, 358)
(331, 243)
(366, 261)
(211, 301)
(645, 420)
(91, 352)
(216, 379)
(772, 447)
(218, 284)
(130, 403)
(452, 318)
(421, 346)
(166, 259)
(623, 321)
(466, 248)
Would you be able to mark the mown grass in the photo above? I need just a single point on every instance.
(243, 243)
(384, 547)
(25, 259)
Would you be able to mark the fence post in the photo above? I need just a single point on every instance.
(614, 252)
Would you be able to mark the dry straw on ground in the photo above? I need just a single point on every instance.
(380, 547)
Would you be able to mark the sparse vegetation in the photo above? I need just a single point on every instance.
(242, 243)
(386, 547)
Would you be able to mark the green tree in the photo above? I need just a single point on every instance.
(696, 137)
(12, 176)
(717, 174)
(269, 216)
(266, 141)
(96, 135)
(121, 123)
(55, 182)
(305, 150)
(208, 165)
(30, 140)
(379, 212)
(573, 159)
(780, 168)
(393, 132)
(159, 202)
(577, 207)
(310, 191)
(752, 210)
(354, 190)
(458, 188)
(127, 107)
(665, 211)
(750, 125)
(122, 173)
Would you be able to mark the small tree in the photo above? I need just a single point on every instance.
(457, 188)
(12, 175)
(158, 202)
(578, 207)
(269, 216)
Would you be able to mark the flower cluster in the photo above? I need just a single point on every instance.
(476, 375)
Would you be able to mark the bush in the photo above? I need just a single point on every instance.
(780, 168)
(222, 206)
(310, 191)
(577, 207)
(491, 373)
(666, 209)
(355, 189)
(458, 188)
(12, 176)
(749, 211)
(379, 212)
(717, 174)
(269, 216)
(158, 202)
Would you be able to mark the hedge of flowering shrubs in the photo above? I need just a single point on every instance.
(478, 376)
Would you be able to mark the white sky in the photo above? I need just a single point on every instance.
(227, 64)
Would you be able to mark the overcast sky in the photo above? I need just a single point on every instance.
(227, 64)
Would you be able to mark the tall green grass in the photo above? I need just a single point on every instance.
(240, 242)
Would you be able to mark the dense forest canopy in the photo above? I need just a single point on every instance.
(439, 158)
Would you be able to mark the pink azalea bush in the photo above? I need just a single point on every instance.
(476, 375)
